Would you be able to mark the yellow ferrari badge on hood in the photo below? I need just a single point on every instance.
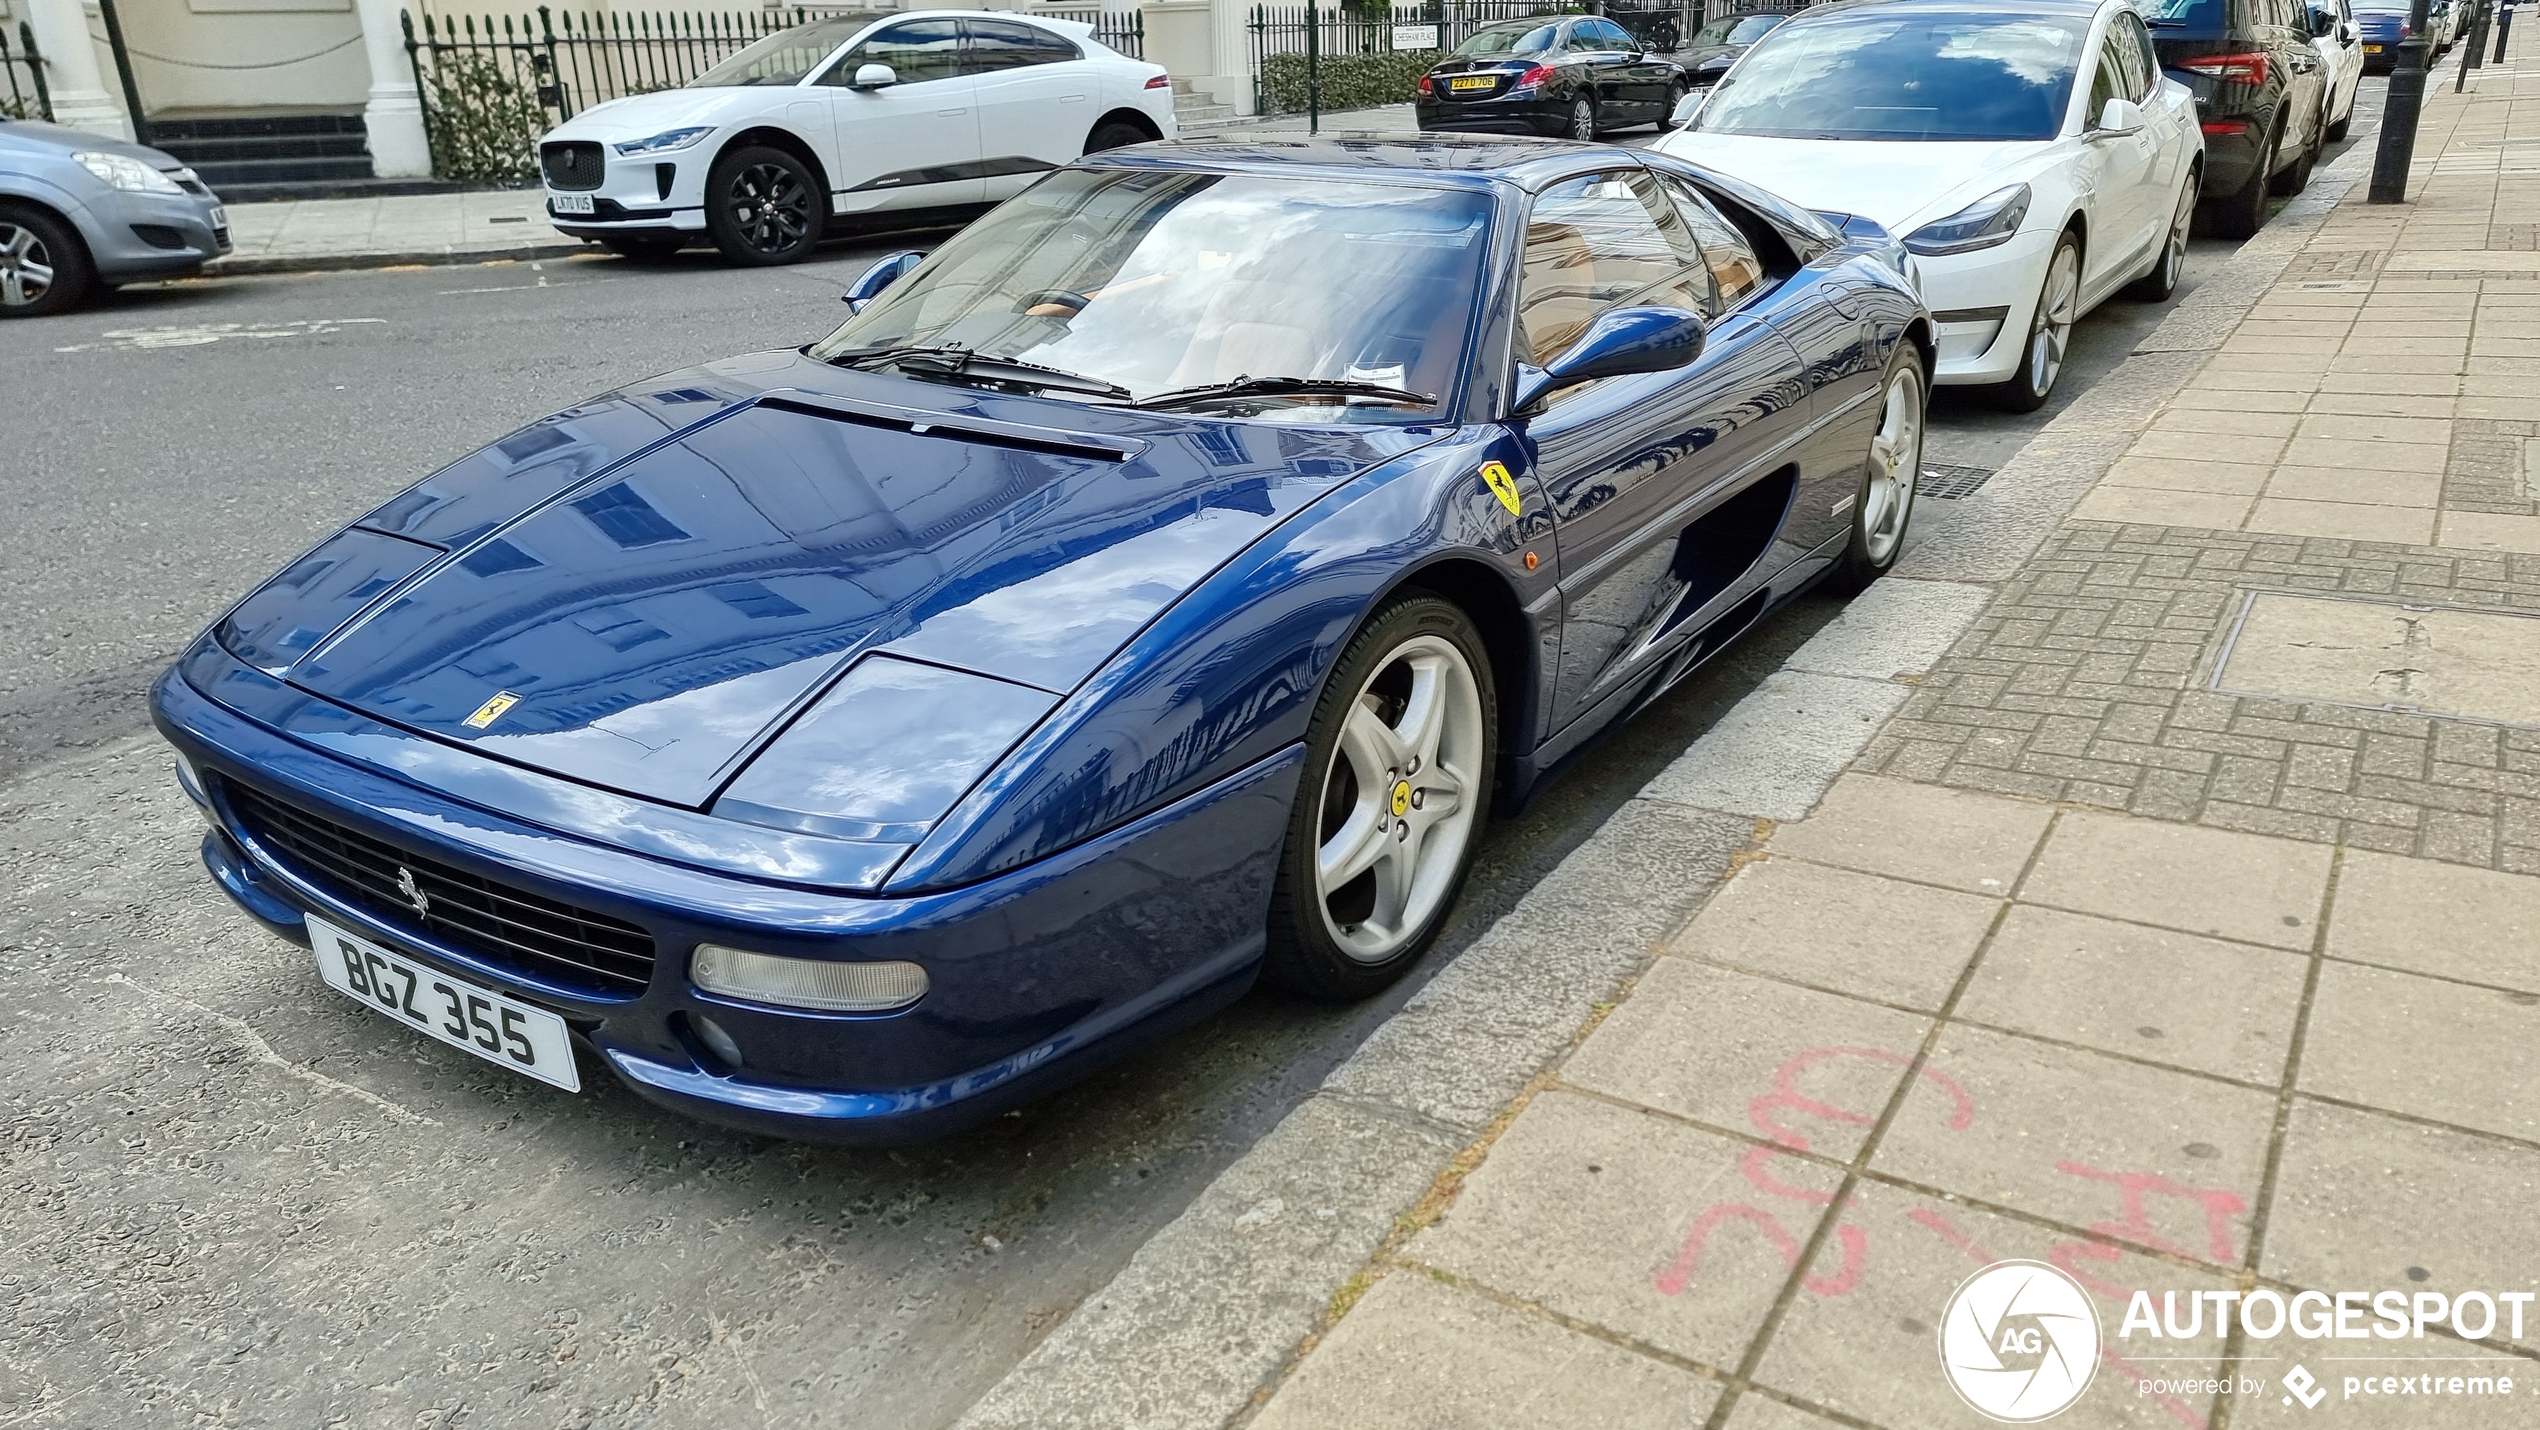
(492, 710)
(1502, 485)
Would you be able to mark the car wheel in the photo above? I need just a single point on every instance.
(1675, 96)
(763, 206)
(1582, 119)
(2242, 214)
(1398, 766)
(1115, 134)
(2050, 329)
(645, 248)
(1889, 476)
(2298, 177)
(2344, 122)
(44, 267)
(2157, 285)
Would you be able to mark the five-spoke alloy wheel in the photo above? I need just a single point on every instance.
(1889, 477)
(43, 268)
(1397, 780)
(2050, 329)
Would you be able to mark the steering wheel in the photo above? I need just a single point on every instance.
(1053, 303)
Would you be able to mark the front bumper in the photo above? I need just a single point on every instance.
(1982, 304)
(134, 236)
(645, 193)
(1529, 113)
(1036, 976)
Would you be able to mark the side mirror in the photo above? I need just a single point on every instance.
(1688, 107)
(1621, 341)
(2119, 119)
(871, 76)
(880, 276)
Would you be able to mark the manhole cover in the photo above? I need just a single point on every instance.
(1944, 482)
(2435, 660)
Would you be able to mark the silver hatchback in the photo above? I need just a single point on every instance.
(79, 209)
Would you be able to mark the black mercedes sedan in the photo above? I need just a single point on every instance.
(1574, 75)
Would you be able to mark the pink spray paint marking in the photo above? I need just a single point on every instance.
(1948, 1231)
(1764, 1113)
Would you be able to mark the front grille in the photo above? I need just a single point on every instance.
(495, 922)
(571, 164)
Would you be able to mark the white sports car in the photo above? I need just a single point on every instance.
(853, 113)
(2032, 158)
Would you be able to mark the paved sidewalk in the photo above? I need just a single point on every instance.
(400, 228)
(2176, 927)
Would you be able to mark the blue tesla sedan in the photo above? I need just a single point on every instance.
(1153, 589)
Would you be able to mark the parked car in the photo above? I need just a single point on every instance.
(1578, 75)
(2341, 50)
(81, 210)
(852, 116)
(1717, 45)
(2030, 156)
(1154, 588)
(2261, 98)
(2382, 24)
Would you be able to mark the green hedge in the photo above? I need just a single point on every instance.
(1349, 81)
(485, 122)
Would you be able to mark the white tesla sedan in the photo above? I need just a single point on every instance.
(854, 113)
(2029, 153)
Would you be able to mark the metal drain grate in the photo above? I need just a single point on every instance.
(1944, 482)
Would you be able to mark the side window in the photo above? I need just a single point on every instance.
(2107, 82)
(1603, 241)
(1006, 45)
(916, 50)
(1735, 270)
(2147, 61)
(1610, 36)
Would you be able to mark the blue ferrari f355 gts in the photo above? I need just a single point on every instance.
(1154, 588)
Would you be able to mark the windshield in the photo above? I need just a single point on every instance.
(1517, 39)
(1902, 77)
(2383, 7)
(786, 56)
(1160, 281)
(1737, 30)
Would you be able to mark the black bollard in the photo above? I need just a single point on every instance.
(2504, 27)
(2399, 114)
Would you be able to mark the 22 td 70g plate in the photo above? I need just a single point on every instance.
(495, 1028)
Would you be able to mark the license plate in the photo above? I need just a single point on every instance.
(495, 1028)
(2372, 49)
(1472, 81)
(571, 203)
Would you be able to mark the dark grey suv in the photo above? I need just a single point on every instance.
(79, 209)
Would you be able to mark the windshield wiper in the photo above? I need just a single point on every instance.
(957, 360)
(1285, 386)
(2167, 24)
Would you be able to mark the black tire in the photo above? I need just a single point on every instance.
(2242, 214)
(1675, 96)
(2157, 285)
(2027, 390)
(1582, 124)
(35, 242)
(2337, 131)
(1115, 134)
(763, 207)
(642, 248)
(1303, 954)
(2297, 176)
(1868, 555)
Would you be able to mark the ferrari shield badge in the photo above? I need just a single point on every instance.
(1502, 485)
(492, 710)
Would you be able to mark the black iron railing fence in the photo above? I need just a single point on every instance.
(1344, 48)
(22, 72)
(1122, 30)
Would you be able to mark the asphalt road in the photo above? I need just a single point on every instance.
(234, 1197)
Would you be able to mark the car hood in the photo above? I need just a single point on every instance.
(639, 116)
(638, 593)
(37, 137)
(1899, 186)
